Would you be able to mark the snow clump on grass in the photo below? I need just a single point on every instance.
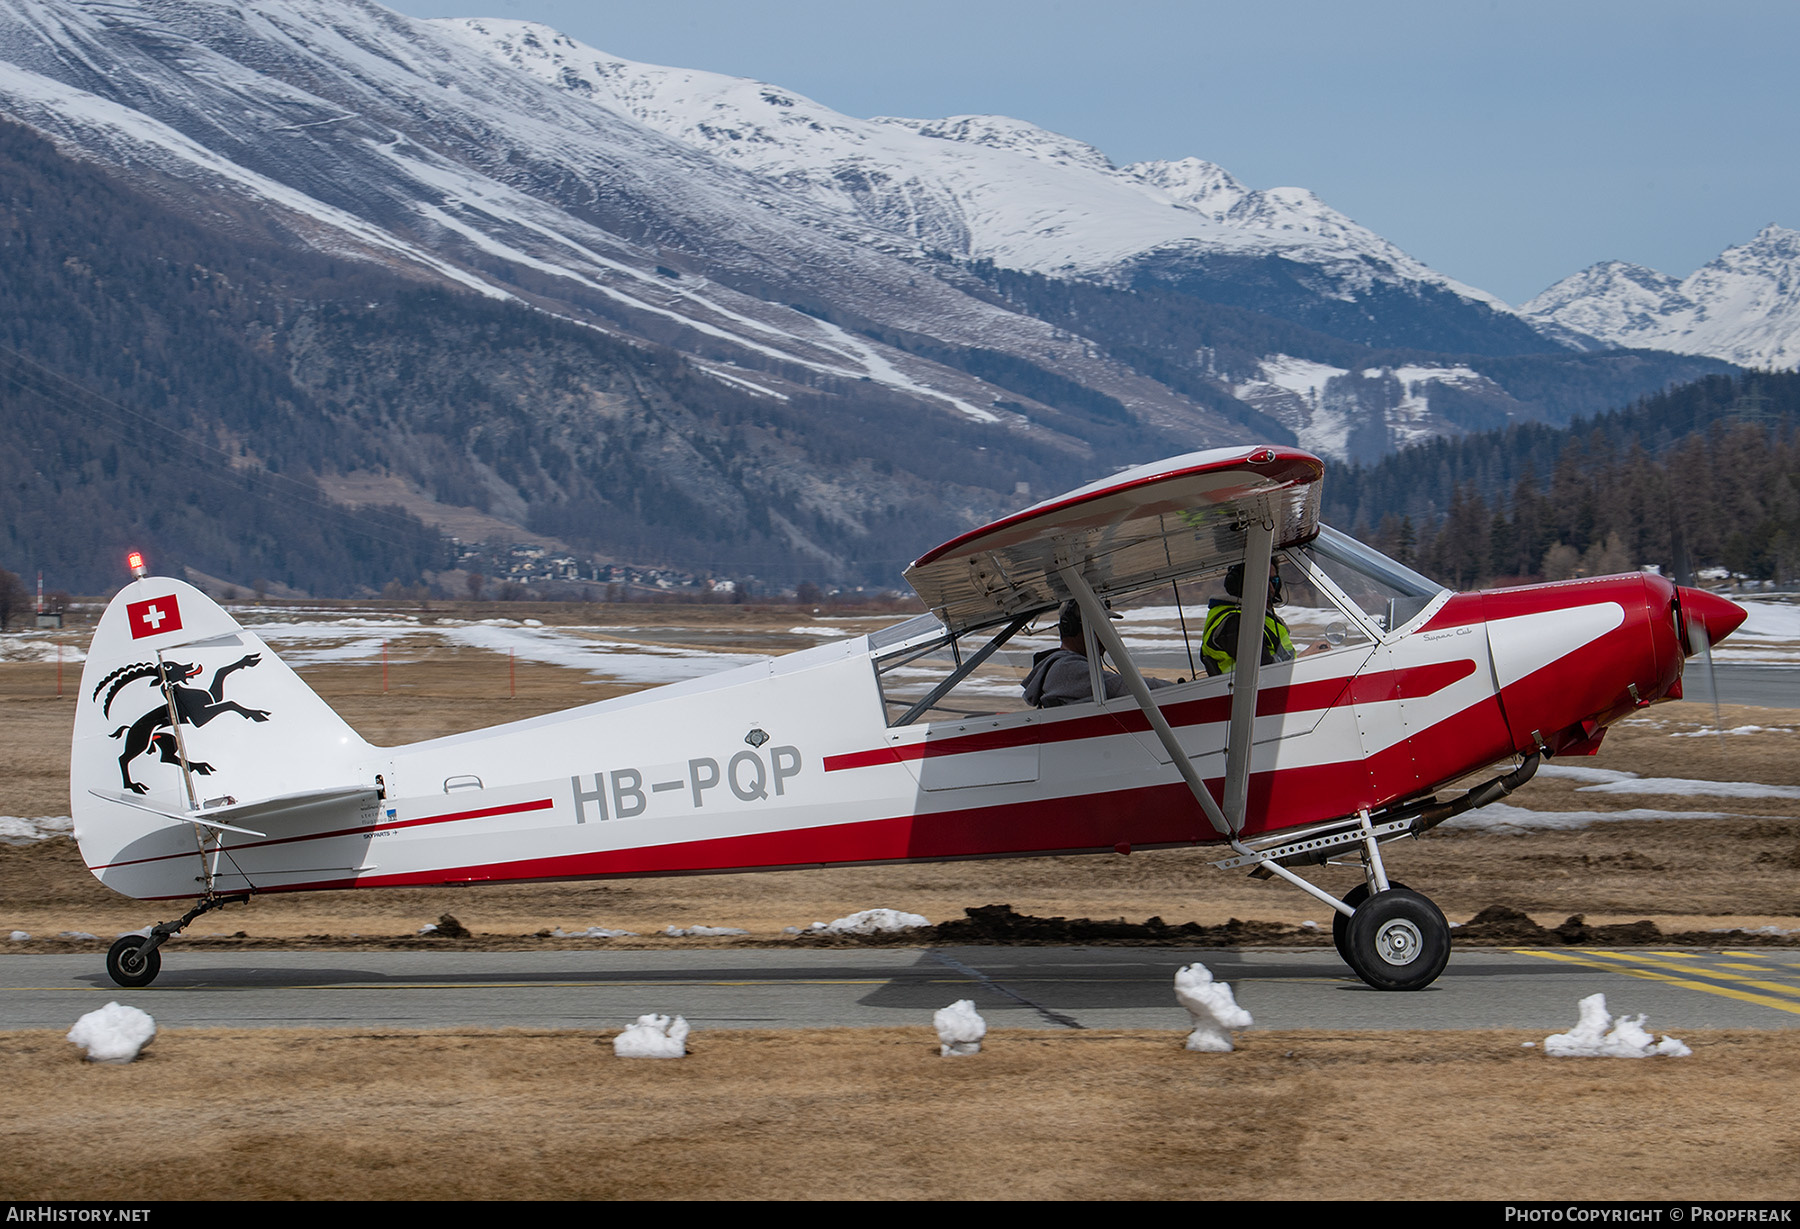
(1214, 1009)
(869, 922)
(960, 1028)
(653, 1036)
(702, 932)
(1598, 1035)
(114, 1034)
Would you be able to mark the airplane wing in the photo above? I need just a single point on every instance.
(1156, 522)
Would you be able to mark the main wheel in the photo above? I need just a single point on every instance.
(1340, 925)
(127, 963)
(1398, 940)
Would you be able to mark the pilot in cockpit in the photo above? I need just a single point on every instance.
(1218, 642)
(1060, 676)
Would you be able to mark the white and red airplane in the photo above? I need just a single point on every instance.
(204, 768)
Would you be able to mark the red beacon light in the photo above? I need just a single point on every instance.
(135, 561)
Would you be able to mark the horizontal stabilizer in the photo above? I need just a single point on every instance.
(174, 817)
(259, 809)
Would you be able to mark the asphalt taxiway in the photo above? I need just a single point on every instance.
(1021, 987)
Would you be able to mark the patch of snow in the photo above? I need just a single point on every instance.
(1682, 787)
(870, 922)
(960, 1029)
(1597, 1035)
(1214, 1009)
(1767, 620)
(1504, 817)
(1571, 772)
(702, 932)
(575, 648)
(592, 932)
(20, 936)
(114, 1034)
(653, 1036)
(38, 646)
(17, 831)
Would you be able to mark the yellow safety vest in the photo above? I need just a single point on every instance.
(1218, 643)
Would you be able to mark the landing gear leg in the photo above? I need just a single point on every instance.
(135, 961)
(1390, 936)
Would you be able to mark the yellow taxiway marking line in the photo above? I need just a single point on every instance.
(1761, 1000)
(1712, 971)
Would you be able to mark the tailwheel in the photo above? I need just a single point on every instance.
(135, 960)
(130, 965)
(1397, 940)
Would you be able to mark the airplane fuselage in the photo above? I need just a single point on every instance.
(791, 763)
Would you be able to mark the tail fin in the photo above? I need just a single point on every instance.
(181, 709)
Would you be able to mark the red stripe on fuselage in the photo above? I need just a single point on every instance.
(1408, 683)
(1144, 817)
(515, 808)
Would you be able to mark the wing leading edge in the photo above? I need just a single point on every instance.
(1157, 522)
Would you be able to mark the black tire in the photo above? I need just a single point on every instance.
(127, 964)
(1398, 940)
(1340, 925)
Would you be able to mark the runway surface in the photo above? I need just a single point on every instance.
(1765, 686)
(1070, 987)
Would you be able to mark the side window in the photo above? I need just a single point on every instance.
(945, 678)
(1166, 628)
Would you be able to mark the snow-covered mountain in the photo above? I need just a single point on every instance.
(994, 299)
(1743, 306)
(976, 187)
(358, 131)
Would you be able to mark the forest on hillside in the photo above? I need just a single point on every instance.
(1705, 474)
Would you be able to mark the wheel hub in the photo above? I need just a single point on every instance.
(1399, 942)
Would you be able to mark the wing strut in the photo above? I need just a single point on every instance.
(1259, 545)
(1243, 702)
(1096, 618)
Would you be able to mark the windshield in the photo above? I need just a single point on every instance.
(1388, 592)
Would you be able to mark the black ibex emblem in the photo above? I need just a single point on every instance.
(194, 707)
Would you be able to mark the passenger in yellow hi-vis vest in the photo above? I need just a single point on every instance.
(1218, 642)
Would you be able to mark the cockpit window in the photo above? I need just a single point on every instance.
(899, 633)
(1389, 593)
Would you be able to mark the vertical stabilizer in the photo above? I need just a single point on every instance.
(184, 712)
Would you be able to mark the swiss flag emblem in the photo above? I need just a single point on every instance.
(158, 615)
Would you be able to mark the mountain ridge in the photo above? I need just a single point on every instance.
(819, 348)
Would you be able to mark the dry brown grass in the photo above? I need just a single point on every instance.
(875, 1114)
